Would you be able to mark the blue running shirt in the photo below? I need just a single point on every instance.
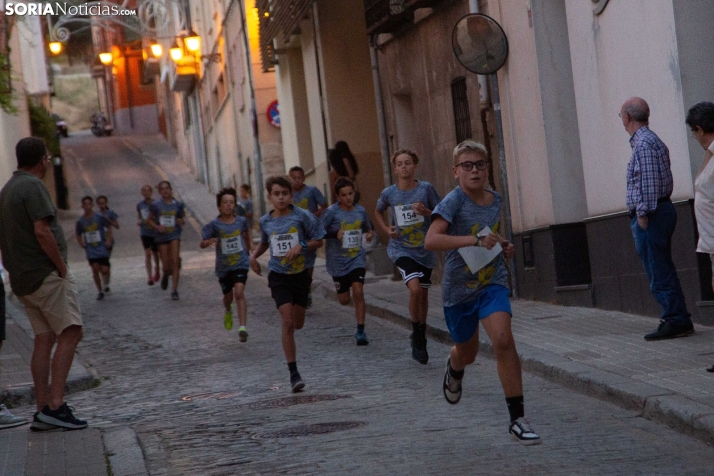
(309, 198)
(93, 231)
(144, 210)
(466, 217)
(282, 233)
(411, 227)
(165, 214)
(231, 254)
(346, 254)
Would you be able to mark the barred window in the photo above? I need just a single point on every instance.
(462, 115)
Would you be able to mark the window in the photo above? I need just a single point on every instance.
(462, 115)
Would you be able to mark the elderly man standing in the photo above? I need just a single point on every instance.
(34, 253)
(649, 187)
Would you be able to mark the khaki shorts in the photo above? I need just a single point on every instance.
(55, 306)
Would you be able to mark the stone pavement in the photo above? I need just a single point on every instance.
(597, 352)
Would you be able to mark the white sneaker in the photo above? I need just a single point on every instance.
(8, 420)
(452, 386)
(522, 432)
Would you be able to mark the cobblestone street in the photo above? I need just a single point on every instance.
(201, 403)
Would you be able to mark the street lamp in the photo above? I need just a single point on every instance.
(176, 52)
(106, 58)
(192, 41)
(55, 47)
(157, 50)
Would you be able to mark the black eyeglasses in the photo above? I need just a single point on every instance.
(468, 165)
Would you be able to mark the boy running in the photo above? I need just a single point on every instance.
(246, 203)
(167, 218)
(460, 223)
(113, 220)
(94, 234)
(412, 202)
(308, 198)
(344, 223)
(143, 210)
(289, 232)
(230, 236)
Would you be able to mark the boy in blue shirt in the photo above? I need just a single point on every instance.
(292, 235)
(463, 224)
(94, 234)
(412, 202)
(344, 224)
(147, 233)
(230, 235)
(113, 219)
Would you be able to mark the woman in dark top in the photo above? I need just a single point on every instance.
(342, 164)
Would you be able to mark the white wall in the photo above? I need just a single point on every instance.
(33, 55)
(629, 50)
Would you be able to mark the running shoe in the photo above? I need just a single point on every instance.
(61, 417)
(106, 289)
(174, 296)
(452, 386)
(8, 420)
(296, 382)
(522, 432)
(242, 334)
(150, 282)
(419, 346)
(361, 338)
(165, 282)
(100, 296)
(228, 319)
(156, 278)
(39, 425)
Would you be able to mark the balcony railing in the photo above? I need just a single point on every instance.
(385, 16)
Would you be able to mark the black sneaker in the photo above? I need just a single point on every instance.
(296, 382)
(668, 330)
(61, 417)
(174, 296)
(452, 386)
(419, 346)
(521, 431)
(39, 425)
(165, 282)
(100, 296)
(106, 289)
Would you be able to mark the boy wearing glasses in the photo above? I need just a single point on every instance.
(469, 217)
(412, 202)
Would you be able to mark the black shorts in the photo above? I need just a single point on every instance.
(343, 284)
(410, 269)
(149, 242)
(290, 288)
(100, 261)
(2, 310)
(231, 279)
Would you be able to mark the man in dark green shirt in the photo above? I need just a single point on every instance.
(34, 253)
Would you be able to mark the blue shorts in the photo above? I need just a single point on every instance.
(462, 319)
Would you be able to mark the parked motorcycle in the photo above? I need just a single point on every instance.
(100, 125)
(61, 126)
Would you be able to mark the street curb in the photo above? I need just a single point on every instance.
(652, 402)
(122, 448)
(81, 377)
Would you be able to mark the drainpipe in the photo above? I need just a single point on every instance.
(257, 157)
(473, 8)
(381, 122)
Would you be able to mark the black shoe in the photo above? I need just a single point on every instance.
(174, 296)
(296, 382)
(419, 346)
(39, 425)
(668, 330)
(710, 369)
(61, 417)
(106, 289)
(100, 296)
(165, 282)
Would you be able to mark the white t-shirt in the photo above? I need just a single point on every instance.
(704, 205)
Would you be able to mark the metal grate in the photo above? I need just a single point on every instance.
(462, 114)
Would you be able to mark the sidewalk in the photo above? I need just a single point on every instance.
(596, 352)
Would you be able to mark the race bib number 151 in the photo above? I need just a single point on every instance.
(281, 244)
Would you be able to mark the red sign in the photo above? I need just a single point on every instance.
(273, 114)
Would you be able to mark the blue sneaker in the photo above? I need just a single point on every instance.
(361, 338)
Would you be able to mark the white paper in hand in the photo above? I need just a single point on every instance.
(476, 257)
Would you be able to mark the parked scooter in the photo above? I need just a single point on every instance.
(61, 126)
(100, 126)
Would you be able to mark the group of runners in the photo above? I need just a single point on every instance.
(465, 225)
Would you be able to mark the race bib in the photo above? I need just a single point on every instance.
(352, 239)
(144, 213)
(281, 244)
(406, 216)
(232, 245)
(92, 237)
(169, 221)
